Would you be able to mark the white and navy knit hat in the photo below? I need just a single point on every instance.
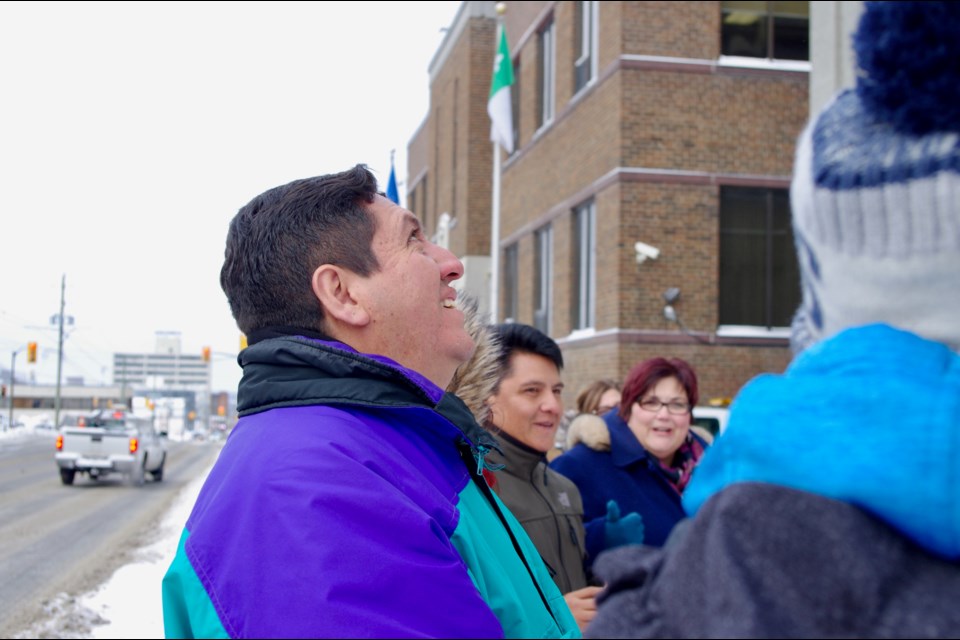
(876, 185)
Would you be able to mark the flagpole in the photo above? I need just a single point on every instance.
(498, 78)
(495, 239)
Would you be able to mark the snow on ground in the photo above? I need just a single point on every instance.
(129, 601)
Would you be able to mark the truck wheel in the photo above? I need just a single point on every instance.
(66, 476)
(136, 476)
(158, 473)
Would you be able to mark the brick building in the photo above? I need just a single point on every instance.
(667, 123)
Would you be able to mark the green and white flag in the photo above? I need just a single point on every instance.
(499, 106)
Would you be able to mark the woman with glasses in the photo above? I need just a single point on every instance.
(651, 454)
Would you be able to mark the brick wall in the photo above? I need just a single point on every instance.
(651, 141)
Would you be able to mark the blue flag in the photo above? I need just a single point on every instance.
(392, 184)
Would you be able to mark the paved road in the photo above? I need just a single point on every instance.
(58, 539)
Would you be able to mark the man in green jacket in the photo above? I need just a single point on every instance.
(513, 386)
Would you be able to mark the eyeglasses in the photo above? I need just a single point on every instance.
(653, 406)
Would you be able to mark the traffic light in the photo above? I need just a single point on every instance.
(31, 352)
(243, 341)
(206, 354)
(221, 410)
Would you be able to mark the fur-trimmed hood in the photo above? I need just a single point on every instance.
(592, 431)
(475, 380)
(589, 429)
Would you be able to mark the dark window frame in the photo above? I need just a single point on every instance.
(767, 30)
(586, 17)
(759, 277)
(583, 293)
(515, 105)
(543, 277)
(546, 73)
(511, 272)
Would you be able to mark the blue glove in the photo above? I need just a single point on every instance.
(620, 531)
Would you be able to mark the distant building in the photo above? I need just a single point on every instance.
(173, 385)
(33, 399)
(166, 368)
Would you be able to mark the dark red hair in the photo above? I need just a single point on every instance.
(649, 372)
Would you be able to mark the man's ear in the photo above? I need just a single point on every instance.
(333, 287)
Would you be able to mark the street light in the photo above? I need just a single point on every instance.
(60, 318)
(209, 357)
(670, 296)
(31, 357)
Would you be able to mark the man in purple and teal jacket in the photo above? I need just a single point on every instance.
(349, 499)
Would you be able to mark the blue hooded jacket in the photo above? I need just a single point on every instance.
(829, 507)
(870, 417)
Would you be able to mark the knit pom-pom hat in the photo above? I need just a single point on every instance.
(876, 185)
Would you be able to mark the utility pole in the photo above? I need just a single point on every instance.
(63, 286)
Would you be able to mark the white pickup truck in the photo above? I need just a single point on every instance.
(111, 441)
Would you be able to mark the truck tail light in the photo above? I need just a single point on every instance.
(60, 442)
(134, 445)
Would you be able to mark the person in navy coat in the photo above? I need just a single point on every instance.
(651, 455)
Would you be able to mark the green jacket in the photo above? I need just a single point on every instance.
(549, 507)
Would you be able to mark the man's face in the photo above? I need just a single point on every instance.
(528, 403)
(410, 299)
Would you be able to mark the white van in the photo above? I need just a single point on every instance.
(712, 419)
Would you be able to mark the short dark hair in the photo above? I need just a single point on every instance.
(515, 337)
(649, 372)
(277, 241)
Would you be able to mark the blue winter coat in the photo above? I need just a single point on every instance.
(626, 473)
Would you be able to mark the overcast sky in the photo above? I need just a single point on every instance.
(132, 132)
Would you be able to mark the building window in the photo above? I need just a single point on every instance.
(421, 201)
(515, 105)
(585, 66)
(511, 271)
(584, 252)
(759, 277)
(779, 30)
(543, 277)
(547, 73)
(442, 237)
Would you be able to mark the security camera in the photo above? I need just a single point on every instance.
(645, 251)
